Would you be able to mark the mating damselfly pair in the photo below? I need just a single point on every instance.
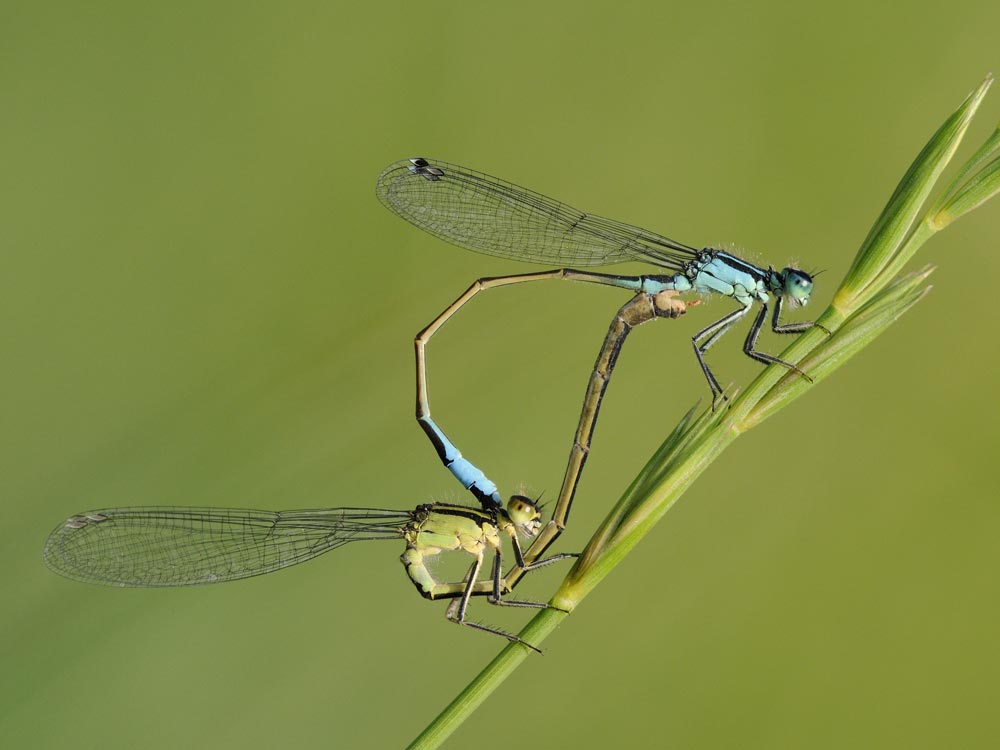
(181, 546)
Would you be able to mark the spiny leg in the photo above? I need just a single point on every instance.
(800, 327)
(523, 564)
(457, 608)
(751, 340)
(549, 560)
(497, 595)
(500, 585)
(718, 334)
(712, 334)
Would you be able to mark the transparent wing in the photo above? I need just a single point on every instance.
(489, 215)
(176, 546)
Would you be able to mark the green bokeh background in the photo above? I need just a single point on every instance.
(205, 304)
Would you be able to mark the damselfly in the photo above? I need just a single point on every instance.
(489, 215)
(188, 546)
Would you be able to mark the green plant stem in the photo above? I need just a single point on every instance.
(477, 691)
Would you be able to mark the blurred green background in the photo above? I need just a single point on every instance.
(205, 304)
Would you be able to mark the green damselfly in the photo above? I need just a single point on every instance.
(161, 546)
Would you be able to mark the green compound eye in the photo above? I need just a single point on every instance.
(522, 510)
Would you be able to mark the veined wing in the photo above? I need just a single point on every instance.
(176, 546)
(489, 215)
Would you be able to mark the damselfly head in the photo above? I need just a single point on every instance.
(524, 513)
(796, 286)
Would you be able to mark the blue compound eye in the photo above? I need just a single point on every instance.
(798, 285)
